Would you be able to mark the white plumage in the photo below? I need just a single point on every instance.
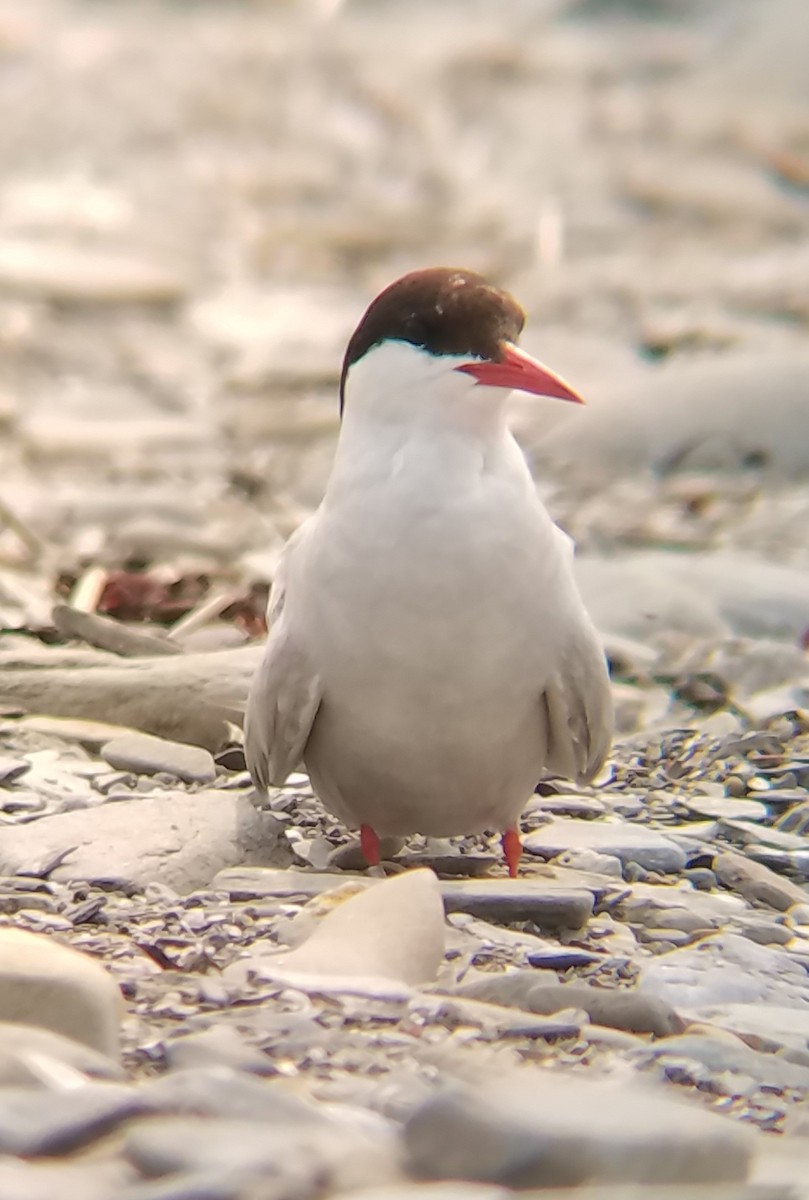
(429, 655)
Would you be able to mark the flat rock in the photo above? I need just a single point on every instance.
(542, 1129)
(710, 594)
(45, 984)
(756, 882)
(615, 1008)
(34, 1123)
(391, 930)
(143, 754)
(725, 1053)
(551, 903)
(725, 806)
(629, 843)
(306, 1157)
(90, 734)
(33, 1056)
(70, 272)
(178, 840)
(726, 969)
(705, 413)
(67, 1180)
(767, 1026)
(12, 769)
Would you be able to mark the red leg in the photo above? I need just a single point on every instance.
(369, 844)
(512, 849)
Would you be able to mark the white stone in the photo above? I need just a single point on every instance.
(393, 930)
(46, 984)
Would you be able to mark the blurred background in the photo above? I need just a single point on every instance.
(198, 199)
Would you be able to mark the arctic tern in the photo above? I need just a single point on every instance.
(429, 655)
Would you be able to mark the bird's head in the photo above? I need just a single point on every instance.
(441, 340)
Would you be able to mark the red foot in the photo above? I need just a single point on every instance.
(512, 849)
(369, 844)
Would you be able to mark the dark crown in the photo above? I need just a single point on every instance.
(443, 310)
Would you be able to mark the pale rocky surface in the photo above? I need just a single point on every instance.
(173, 839)
(196, 203)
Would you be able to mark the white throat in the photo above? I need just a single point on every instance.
(410, 415)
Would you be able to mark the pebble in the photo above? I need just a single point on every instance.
(542, 1129)
(143, 754)
(180, 840)
(45, 984)
(562, 958)
(630, 843)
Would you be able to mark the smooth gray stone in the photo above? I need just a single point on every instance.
(12, 769)
(159, 1146)
(218, 1046)
(723, 969)
(35, 1057)
(179, 839)
(36, 1123)
(144, 754)
(728, 1054)
(46, 984)
(332, 1154)
(704, 413)
(707, 594)
(616, 1008)
(628, 842)
(756, 882)
(770, 1025)
(543, 1129)
(551, 904)
(466, 1190)
(205, 1185)
(227, 1093)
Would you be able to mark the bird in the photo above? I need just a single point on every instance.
(429, 656)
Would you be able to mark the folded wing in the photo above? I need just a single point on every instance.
(285, 693)
(577, 707)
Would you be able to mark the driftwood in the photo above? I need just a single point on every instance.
(186, 697)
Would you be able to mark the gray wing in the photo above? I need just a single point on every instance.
(285, 693)
(577, 703)
(577, 706)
